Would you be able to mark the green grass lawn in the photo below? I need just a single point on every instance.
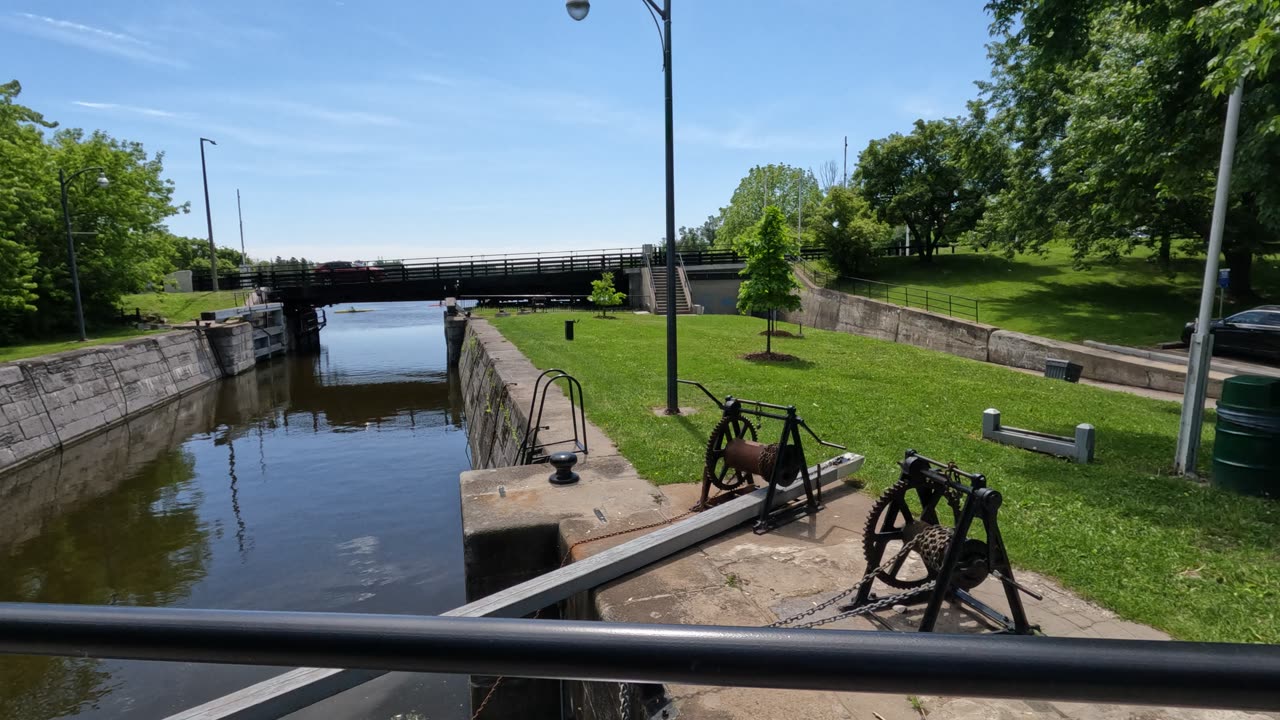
(1132, 302)
(69, 342)
(1198, 563)
(181, 307)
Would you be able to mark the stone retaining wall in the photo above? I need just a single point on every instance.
(55, 400)
(832, 310)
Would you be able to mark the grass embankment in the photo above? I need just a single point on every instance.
(181, 307)
(1133, 302)
(174, 307)
(1198, 563)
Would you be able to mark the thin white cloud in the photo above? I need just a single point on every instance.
(90, 38)
(920, 106)
(338, 117)
(149, 112)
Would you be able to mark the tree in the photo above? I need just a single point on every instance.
(829, 176)
(848, 229)
(25, 171)
(702, 237)
(770, 285)
(935, 180)
(793, 190)
(604, 295)
(1114, 112)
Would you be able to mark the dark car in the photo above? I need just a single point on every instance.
(348, 271)
(1253, 332)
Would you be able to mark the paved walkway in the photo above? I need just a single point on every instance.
(741, 578)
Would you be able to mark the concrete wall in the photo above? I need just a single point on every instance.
(49, 402)
(831, 310)
(717, 296)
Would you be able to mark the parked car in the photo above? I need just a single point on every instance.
(1253, 332)
(348, 271)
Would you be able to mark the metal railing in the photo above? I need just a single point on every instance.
(463, 266)
(1214, 675)
(906, 295)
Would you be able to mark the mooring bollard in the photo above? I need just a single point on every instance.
(563, 462)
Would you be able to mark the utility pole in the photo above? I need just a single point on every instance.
(1200, 353)
(244, 259)
(846, 161)
(208, 217)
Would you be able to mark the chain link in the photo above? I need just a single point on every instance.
(906, 548)
(624, 701)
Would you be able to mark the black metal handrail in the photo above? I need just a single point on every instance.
(905, 295)
(457, 267)
(1215, 675)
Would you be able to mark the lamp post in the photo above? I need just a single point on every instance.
(208, 217)
(578, 10)
(63, 181)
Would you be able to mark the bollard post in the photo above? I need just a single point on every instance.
(568, 329)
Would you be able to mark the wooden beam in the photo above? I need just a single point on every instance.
(296, 689)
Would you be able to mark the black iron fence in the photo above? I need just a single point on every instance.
(905, 295)
(1216, 675)
(462, 266)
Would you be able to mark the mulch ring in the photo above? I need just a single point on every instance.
(781, 333)
(770, 356)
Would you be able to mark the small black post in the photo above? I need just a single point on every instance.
(568, 329)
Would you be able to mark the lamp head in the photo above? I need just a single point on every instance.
(102, 179)
(211, 142)
(578, 9)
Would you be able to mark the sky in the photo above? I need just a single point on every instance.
(366, 129)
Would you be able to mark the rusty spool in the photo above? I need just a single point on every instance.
(760, 459)
(932, 542)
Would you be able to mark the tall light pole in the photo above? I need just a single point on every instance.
(208, 217)
(244, 260)
(63, 181)
(1200, 353)
(578, 10)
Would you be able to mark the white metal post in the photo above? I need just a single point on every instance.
(1200, 354)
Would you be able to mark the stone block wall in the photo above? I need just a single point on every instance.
(831, 310)
(53, 401)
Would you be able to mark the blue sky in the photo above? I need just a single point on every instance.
(366, 129)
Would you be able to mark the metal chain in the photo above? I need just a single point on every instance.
(877, 605)
(624, 704)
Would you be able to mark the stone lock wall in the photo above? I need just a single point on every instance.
(53, 401)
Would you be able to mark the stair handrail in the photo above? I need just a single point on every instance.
(646, 279)
(684, 282)
(528, 452)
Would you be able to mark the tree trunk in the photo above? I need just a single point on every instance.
(1166, 257)
(768, 335)
(1240, 262)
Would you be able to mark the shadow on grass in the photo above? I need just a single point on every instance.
(794, 363)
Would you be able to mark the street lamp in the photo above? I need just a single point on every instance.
(578, 10)
(208, 217)
(63, 181)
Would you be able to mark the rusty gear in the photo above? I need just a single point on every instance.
(717, 470)
(890, 517)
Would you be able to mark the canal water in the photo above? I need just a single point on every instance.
(326, 482)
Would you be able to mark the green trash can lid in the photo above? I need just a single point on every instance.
(1255, 392)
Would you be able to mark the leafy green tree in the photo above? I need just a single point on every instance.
(848, 229)
(936, 180)
(1114, 113)
(770, 284)
(604, 295)
(793, 190)
(25, 169)
(701, 237)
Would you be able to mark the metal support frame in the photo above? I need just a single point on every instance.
(981, 503)
(790, 464)
(1076, 669)
(529, 447)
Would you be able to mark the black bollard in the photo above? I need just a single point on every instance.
(568, 329)
(563, 462)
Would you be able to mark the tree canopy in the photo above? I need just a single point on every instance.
(1114, 115)
(936, 180)
(792, 191)
(604, 295)
(122, 244)
(849, 230)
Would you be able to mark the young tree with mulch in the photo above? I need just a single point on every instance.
(604, 295)
(770, 285)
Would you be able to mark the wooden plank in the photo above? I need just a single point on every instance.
(296, 689)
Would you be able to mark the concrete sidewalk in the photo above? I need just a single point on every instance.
(745, 579)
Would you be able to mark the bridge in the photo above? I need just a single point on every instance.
(477, 277)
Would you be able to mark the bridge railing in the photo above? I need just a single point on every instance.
(462, 266)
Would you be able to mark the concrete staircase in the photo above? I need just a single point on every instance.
(659, 276)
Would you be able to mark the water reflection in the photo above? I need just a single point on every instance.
(326, 482)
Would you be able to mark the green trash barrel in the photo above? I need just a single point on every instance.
(1246, 447)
